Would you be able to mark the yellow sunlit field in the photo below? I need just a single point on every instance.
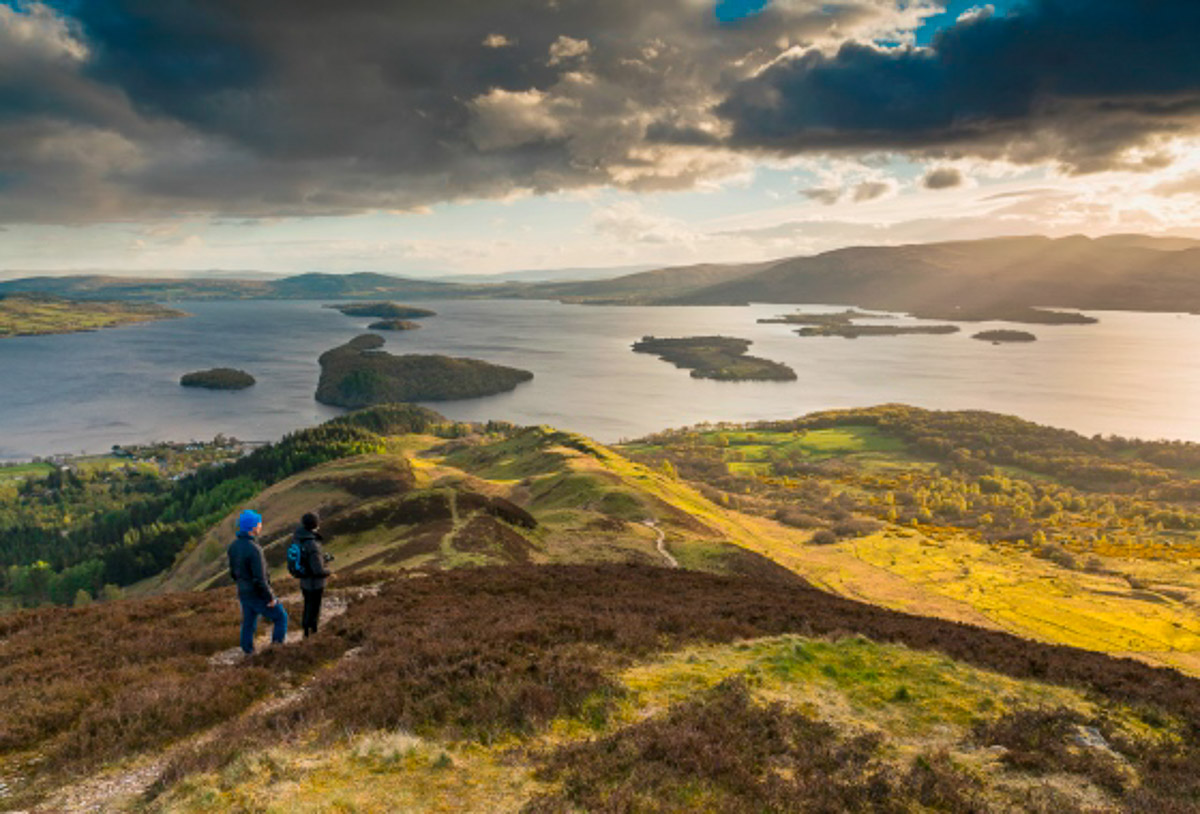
(1089, 568)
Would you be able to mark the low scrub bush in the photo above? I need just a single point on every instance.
(724, 752)
(477, 654)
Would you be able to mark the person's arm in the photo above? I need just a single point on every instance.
(258, 576)
(232, 570)
(316, 561)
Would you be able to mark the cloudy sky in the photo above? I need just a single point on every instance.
(423, 136)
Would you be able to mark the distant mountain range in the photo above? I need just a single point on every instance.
(360, 285)
(961, 279)
(563, 275)
(968, 277)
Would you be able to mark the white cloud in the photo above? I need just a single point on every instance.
(503, 119)
(38, 31)
(498, 41)
(629, 221)
(566, 48)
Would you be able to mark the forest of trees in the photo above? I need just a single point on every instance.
(67, 536)
(999, 478)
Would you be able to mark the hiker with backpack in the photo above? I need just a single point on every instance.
(248, 568)
(306, 561)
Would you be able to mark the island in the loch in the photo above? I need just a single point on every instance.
(716, 357)
(850, 331)
(358, 374)
(382, 310)
(837, 318)
(393, 325)
(1001, 336)
(1008, 313)
(218, 378)
(845, 324)
(36, 314)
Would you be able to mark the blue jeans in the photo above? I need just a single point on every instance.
(254, 608)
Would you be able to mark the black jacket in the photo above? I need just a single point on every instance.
(314, 559)
(249, 569)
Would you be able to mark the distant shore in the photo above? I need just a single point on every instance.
(22, 315)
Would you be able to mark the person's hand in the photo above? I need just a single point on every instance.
(272, 603)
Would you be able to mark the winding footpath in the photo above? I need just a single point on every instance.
(661, 544)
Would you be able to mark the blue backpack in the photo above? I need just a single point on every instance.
(297, 562)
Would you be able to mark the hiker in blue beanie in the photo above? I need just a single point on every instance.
(248, 568)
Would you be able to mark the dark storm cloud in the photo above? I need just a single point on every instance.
(282, 107)
(1079, 81)
(114, 109)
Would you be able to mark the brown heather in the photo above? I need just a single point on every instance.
(484, 653)
(723, 752)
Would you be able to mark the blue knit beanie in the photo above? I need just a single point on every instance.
(249, 520)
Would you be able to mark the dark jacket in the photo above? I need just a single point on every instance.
(248, 568)
(314, 559)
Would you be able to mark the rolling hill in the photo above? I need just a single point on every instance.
(526, 620)
(648, 286)
(362, 285)
(966, 278)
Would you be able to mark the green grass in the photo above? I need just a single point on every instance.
(25, 471)
(908, 693)
(921, 703)
(91, 465)
(522, 456)
(818, 444)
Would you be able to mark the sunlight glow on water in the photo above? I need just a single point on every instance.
(1133, 374)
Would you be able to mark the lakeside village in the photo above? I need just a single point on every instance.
(168, 459)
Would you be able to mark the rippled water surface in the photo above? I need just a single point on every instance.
(1132, 374)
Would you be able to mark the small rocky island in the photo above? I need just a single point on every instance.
(845, 325)
(382, 310)
(837, 318)
(1008, 313)
(1001, 336)
(393, 325)
(359, 374)
(716, 357)
(218, 378)
(850, 331)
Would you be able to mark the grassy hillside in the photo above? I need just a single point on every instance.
(972, 516)
(76, 532)
(526, 620)
(514, 496)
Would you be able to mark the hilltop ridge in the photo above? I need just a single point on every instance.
(971, 279)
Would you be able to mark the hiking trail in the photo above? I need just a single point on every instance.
(661, 544)
(115, 789)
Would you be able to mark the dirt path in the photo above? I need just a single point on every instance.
(331, 607)
(661, 544)
(117, 789)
